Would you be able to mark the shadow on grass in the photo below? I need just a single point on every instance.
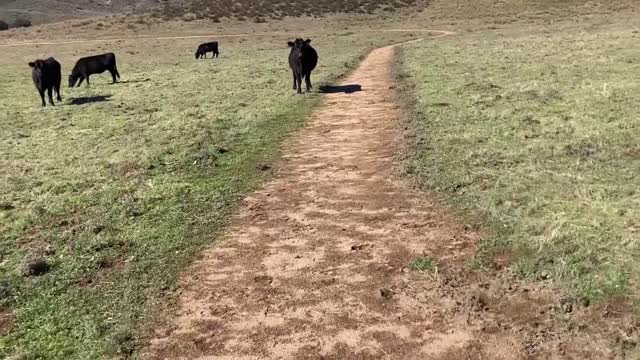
(347, 89)
(133, 81)
(89, 99)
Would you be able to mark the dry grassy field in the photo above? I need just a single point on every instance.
(525, 122)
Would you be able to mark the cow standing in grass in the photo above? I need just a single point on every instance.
(47, 75)
(203, 49)
(302, 60)
(94, 65)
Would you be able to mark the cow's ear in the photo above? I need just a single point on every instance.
(308, 41)
(32, 64)
(290, 43)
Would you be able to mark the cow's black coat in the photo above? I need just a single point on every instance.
(203, 49)
(302, 60)
(47, 75)
(94, 65)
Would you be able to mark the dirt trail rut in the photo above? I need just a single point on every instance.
(315, 264)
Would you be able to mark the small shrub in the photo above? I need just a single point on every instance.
(21, 23)
(3, 25)
(188, 17)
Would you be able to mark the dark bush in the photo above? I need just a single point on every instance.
(3, 25)
(21, 23)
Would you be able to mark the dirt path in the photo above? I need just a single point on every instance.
(316, 261)
(315, 264)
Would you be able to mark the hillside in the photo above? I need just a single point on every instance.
(45, 11)
(42, 11)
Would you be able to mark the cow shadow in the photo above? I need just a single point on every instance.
(346, 89)
(133, 81)
(89, 99)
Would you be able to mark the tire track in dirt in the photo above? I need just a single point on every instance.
(315, 263)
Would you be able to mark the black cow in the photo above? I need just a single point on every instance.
(47, 75)
(203, 49)
(302, 60)
(93, 65)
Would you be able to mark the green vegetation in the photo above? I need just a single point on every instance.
(119, 192)
(423, 263)
(535, 133)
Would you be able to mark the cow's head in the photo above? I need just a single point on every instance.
(37, 65)
(72, 80)
(298, 45)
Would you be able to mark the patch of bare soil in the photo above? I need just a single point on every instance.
(315, 264)
(7, 321)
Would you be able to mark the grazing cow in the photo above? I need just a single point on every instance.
(302, 60)
(203, 49)
(93, 65)
(47, 75)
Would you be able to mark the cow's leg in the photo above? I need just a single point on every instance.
(50, 93)
(80, 81)
(42, 97)
(294, 81)
(113, 75)
(88, 84)
(299, 83)
(307, 78)
(57, 88)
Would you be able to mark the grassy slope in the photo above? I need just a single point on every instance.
(120, 195)
(533, 129)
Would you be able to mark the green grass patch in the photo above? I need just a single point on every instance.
(121, 191)
(423, 263)
(537, 137)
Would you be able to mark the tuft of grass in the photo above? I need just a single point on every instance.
(121, 186)
(423, 264)
(535, 135)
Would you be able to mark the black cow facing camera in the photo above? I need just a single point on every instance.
(47, 75)
(96, 64)
(302, 60)
(210, 47)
